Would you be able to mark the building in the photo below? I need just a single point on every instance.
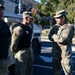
(9, 6)
(26, 5)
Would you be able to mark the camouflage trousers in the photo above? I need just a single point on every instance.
(24, 62)
(63, 61)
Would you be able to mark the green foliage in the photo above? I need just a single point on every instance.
(36, 21)
(46, 7)
(49, 7)
(71, 17)
(44, 22)
(69, 6)
(36, 18)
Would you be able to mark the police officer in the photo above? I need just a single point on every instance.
(21, 45)
(61, 35)
(5, 36)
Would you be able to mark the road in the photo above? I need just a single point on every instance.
(43, 62)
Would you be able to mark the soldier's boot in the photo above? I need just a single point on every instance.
(57, 73)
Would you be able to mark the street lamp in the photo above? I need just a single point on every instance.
(19, 6)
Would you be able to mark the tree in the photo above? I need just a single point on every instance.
(49, 7)
(69, 6)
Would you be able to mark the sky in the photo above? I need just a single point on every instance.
(38, 1)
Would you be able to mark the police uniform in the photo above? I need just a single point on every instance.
(5, 36)
(62, 50)
(21, 46)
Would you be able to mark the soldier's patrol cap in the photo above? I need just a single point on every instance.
(60, 13)
(1, 6)
(27, 14)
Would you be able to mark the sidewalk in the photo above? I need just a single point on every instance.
(44, 38)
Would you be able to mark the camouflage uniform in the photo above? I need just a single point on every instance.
(24, 57)
(62, 50)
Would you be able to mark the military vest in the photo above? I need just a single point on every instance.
(25, 40)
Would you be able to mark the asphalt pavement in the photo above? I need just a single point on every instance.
(43, 63)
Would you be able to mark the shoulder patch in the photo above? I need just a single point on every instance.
(18, 30)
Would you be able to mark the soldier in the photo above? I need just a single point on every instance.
(21, 45)
(61, 35)
(5, 36)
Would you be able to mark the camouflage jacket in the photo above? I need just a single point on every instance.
(16, 35)
(63, 34)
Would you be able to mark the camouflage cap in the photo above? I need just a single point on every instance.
(27, 14)
(1, 6)
(60, 13)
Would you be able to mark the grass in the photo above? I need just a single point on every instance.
(45, 32)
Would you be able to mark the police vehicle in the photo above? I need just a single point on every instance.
(12, 19)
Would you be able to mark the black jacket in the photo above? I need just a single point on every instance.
(4, 39)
